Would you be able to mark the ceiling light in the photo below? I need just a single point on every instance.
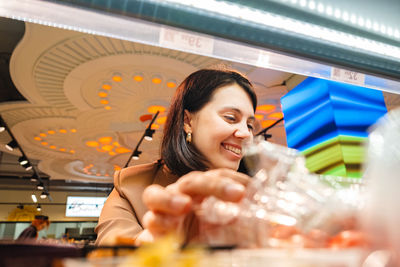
(171, 84)
(39, 208)
(162, 120)
(34, 178)
(136, 154)
(117, 77)
(73, 130)
(44, 143)
(12, 145)
(121, 150)
(44, 195)
(156, 80)
(51, 132)
(102, 94)
(265, 108)
(267, 123)
(23, 160)
(259, 116)
(43, 134)
(34, 199)
(276, 115)
(53, 147)
(27, 166)
(104, 101)
(2, 127)
(92, 143)
(138, 77)
(106, 86)
(40, 186)
(107, 147)
(62, 131)
(148, 135)
(37, 138)
(155, 108)
(107, 107)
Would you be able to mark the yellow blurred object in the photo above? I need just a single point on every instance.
(164, 253)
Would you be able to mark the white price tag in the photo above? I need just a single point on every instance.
(186, 41)
(263, 59)
(347, 76)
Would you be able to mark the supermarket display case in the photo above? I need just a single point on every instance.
(307, 38)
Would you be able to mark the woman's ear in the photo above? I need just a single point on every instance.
(187, 122)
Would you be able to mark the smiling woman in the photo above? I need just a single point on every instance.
(211, 114)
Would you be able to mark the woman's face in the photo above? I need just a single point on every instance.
(220, 127)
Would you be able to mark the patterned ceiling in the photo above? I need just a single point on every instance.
(88, 97)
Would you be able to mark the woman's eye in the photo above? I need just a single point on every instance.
(230, 118)
(251, 127)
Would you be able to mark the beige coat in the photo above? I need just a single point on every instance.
(118, 215)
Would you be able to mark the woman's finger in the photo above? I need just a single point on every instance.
(159, 223)
(158, 199)
(219, 183)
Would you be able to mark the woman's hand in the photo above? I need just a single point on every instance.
(168, 206)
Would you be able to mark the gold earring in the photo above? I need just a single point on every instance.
(189, 137)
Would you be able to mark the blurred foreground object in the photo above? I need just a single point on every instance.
(285, 206)
(381, 217)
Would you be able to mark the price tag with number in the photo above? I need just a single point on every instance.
(186, 41)
(347, 76)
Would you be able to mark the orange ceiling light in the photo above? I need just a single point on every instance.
(259, 116)
(105, 140)
(51, 132)
(267, 123)
(73, 130)
(92, 143)
(138, 77)
(62, 131)
(43, 134)
(107, 148)
(116, 144)
(63, 149)
(37, 138)
(171, 84)
(117, 168)
(112, 153)
(155, 126)
(162, 120)
(72, 151)
(102, 94)
(44, 143)
(122, 150)
(156, 80)
(153, 109)
(117, 77)
(104, 101)
(276, 115)
(107, 107)
(145, 117)
(265, 108)
(106, 86)
(53, 147)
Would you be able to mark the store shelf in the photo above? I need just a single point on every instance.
(153, 23)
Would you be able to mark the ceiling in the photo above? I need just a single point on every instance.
(79, 103)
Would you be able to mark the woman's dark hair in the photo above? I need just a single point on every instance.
(192, 94)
